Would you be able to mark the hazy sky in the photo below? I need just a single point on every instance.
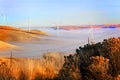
(59, 12)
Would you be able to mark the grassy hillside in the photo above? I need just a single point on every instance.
(6, 46)
(22, 30)
(15, 34)
(8, 34)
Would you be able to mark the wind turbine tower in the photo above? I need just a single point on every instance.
(58, 31)
(29, 24)
(4, 19)
(91, 34)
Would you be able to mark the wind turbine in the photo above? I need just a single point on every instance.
(29, 24)
(91, 33)
(4, 19)
(58, 31)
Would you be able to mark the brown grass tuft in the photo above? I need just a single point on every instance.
(29, 69)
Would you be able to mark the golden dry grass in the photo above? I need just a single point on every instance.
(30, 69)
(14, 34)
(6, 46)
(8, 34)
(39, 32)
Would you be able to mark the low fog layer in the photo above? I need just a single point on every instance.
(65, 41)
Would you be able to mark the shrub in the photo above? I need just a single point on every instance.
(100, 61)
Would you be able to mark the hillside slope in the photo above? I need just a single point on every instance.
(6, 46)
(14, 34)
(8, 34)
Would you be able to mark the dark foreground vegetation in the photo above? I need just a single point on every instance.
(100, 61)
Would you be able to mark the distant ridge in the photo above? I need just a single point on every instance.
(72, 27)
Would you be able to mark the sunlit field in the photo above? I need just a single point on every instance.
(31, 68)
